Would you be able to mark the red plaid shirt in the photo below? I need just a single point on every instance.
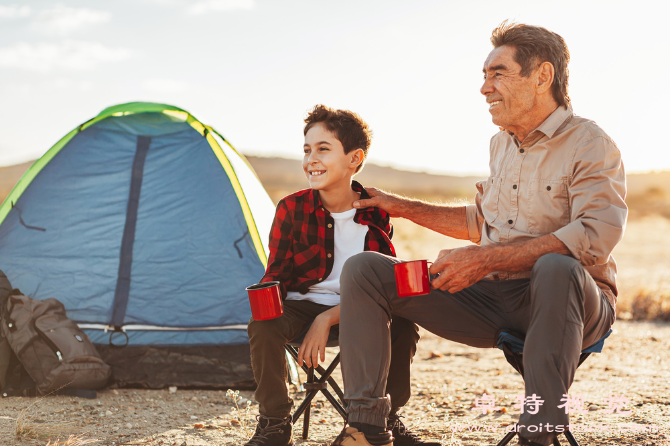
(302, 239)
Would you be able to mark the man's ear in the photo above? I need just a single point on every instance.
(545, 77)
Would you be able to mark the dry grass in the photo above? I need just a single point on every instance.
(25, 427)
(646, 305)
(72, 440)
(653, 201)
(240, 414)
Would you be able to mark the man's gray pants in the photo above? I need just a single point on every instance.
(560, 309)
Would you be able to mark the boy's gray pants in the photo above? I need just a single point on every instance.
(560, 309)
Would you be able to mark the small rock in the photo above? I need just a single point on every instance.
(129, 426)
(172, 389)
(234, 423)
(115, 392)
(593, 407)
(434, 355)
(108, 413)
(114, 429)
(193, 417)
(198, 426)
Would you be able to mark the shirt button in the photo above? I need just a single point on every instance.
(330, 225)
(514, 187)
(521, 150)
(329, 255)
(548, 187)
(510, 221)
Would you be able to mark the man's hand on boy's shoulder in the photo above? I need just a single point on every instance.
(386, 201)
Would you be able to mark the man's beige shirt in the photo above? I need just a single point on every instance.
(566, 179)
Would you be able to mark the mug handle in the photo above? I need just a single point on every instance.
(430, 275)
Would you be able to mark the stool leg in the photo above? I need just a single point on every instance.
(336, 404)
(305, 420)
(507, 438)
(571, 438)
(556, 442)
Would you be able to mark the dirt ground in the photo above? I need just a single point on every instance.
(448, 380)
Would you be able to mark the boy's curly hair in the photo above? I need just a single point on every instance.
(347, 126)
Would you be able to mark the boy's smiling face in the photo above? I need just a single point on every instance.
(325, 163)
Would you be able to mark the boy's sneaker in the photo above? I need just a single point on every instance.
(272, 431)
(350, 436)
(404, 437)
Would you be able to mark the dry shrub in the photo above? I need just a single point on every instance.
(647, 305)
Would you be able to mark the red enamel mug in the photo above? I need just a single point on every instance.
(265, 301)
(412, 278)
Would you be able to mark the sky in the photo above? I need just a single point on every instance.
(253, 68)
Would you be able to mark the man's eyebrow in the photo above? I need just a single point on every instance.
(494, 68)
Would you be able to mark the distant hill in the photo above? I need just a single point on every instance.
(647, 193)
(9, 176)
(282, 176)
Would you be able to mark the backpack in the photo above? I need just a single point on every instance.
(54, 351)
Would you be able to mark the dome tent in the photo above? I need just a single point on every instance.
(147, 225)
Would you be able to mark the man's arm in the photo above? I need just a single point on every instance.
(462, 267)
(445, 219)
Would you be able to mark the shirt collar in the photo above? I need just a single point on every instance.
(316, 199)
(555, 120)
(549, 126)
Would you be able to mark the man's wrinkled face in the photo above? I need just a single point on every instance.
(511, 96)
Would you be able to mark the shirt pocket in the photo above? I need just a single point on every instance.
(548, 206)
(490, 199)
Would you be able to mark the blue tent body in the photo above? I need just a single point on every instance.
(144, 223)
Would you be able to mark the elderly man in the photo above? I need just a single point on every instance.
(545, 223)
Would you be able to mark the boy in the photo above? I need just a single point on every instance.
(314, 231)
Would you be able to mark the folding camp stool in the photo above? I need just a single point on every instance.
(512, 345)
(318, 383)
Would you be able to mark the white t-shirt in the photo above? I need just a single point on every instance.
(349, 240)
